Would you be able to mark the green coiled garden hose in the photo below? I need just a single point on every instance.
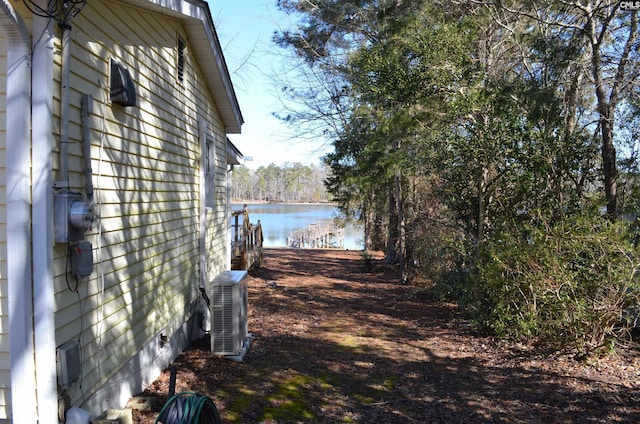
(189, 408)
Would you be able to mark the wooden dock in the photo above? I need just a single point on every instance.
(246, 245)
(317, 237)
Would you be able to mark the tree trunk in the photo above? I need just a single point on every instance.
(482, 208)
(392, 236)
(368, 217)
(402, 236)
(607, 103)
(609, 166)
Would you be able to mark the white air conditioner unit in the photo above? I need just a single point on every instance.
(229, 303)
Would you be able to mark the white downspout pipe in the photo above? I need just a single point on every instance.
(42, 217)
(18, 115)
(227, 216)
(204, 271)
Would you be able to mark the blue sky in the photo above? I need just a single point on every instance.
(245, 29)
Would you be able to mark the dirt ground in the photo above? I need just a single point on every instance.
(334, 343)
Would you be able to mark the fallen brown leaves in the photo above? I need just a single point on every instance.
(333, 343)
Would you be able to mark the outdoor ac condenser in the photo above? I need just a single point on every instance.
(229, 303)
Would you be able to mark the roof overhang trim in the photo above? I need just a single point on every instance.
(234, 156)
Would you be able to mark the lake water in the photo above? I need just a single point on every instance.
(280, 219)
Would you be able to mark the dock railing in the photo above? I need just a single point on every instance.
(246, 244)
(317, 237)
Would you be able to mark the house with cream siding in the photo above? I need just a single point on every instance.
(114, 207)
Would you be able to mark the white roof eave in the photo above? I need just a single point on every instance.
(234, 156)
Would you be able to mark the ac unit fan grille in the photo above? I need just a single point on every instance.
(228, 315)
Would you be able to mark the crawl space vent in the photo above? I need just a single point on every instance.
(123, 89)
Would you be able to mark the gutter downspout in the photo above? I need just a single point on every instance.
(18, 123)
(227, 216)
(202, 207)
(42, 217)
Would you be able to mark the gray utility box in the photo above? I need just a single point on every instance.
(81, 258)
(68, 363)
(229, 303)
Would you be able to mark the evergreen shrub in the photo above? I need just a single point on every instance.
(564, 286)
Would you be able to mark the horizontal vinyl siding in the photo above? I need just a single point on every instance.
(145, 161)
(216, 220)
(216, 226)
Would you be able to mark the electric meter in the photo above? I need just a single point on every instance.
(82, 214)
(73, 216)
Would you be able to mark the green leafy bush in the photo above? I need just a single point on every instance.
(564, 286)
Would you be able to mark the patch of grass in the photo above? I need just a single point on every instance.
(241, 399)
(337, 326)
(389, 383)
(290, 410)
(364, 399)
(375, 391)
(289, 402)
(349, 341)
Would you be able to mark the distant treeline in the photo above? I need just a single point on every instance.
(290, 182)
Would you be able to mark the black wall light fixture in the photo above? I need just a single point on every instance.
(122, 87)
